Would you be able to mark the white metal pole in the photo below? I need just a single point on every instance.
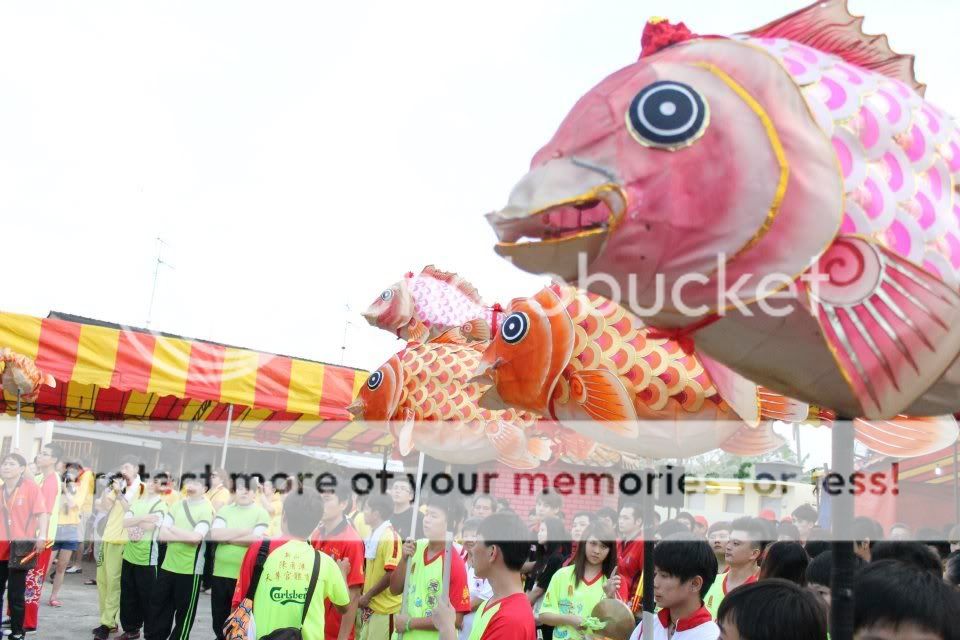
(16, 429)
(226, 437)
(413, 534)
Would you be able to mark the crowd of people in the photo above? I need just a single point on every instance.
(336, 565)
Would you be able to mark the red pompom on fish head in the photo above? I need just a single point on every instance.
(660, 33)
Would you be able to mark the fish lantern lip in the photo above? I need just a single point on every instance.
(523, 228)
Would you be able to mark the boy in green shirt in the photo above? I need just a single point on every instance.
(184, 529)
(138, 575)
(235, 527)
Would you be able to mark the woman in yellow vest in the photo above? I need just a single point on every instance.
(68, 532)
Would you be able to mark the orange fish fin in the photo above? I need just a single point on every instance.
(454, 280)
(776, 406)
(477, 330)
(905, 437)
(601, 396)
(416, 331)
(753, 441)
(540, 447)
(450, 336)
(405, 437)
(828, 25)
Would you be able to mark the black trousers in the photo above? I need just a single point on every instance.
(136, 594)
(14, 582)
(174, 605)
(221, 593)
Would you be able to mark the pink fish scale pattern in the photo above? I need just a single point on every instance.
(900, 156)
(438, 303)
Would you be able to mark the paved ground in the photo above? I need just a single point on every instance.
(79, 614)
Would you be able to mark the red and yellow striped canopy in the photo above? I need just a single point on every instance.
(106, 372)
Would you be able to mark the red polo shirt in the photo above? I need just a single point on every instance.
(342, 542)
(630, 567)
(19, 512)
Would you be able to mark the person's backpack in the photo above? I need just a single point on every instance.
(241, 624)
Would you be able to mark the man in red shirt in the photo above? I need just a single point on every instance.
(23, 514)
(630, 554)
(49, 480)
(339, 540)
(498, 555)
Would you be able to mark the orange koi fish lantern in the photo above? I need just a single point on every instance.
(587, 363)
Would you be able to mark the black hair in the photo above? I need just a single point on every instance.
(774, 608)
(934, 540)
(302, 512)
(502, 504)
(820, 568)
(552, 500)
(130, 459)
(507, 532)
(342, 490)
(486, 496)
(557, 537)
(951, 569)
(787, 560)
(635, 507)
(472, 524)
(606, 512)
(56, 451)
(453, 509)
(685, 556)
(788, 529)
(806, 513)
(723, 525)
(382, 504)
(686, 515)
(915, 554)
(16, 457)
(865, 528)
(757, 530)
(606, 537)
(589, 515)
(817, 543)
(890, 593)
(671, 527)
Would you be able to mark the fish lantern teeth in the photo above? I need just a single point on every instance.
(667, 115)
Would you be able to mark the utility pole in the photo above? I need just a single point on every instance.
(346, 326)
(156, 275)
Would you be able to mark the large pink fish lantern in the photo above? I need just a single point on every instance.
(786, 198)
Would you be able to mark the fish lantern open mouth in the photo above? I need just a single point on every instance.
(558, 211)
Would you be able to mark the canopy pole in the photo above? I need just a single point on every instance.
(413, 534)
(956, 486)
(16, 428)
(226, 437)
(649, 531)
(841, 515)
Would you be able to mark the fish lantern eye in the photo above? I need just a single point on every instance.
(667, 115)
(386, 295)
(375, 380)
(515, 327)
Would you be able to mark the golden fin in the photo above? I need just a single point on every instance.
(776, 406)
(450, 336)
(454, 280)
(416, 331)
(477, 330)
(405, 437)
(600, 396)
(749, 441)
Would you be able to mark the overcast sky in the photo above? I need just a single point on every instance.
(297, 157)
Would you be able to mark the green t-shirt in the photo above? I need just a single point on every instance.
(282, 590)
(425, 585)
(143, 548)
(563, 597)
(184, 557)
(227, 559)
